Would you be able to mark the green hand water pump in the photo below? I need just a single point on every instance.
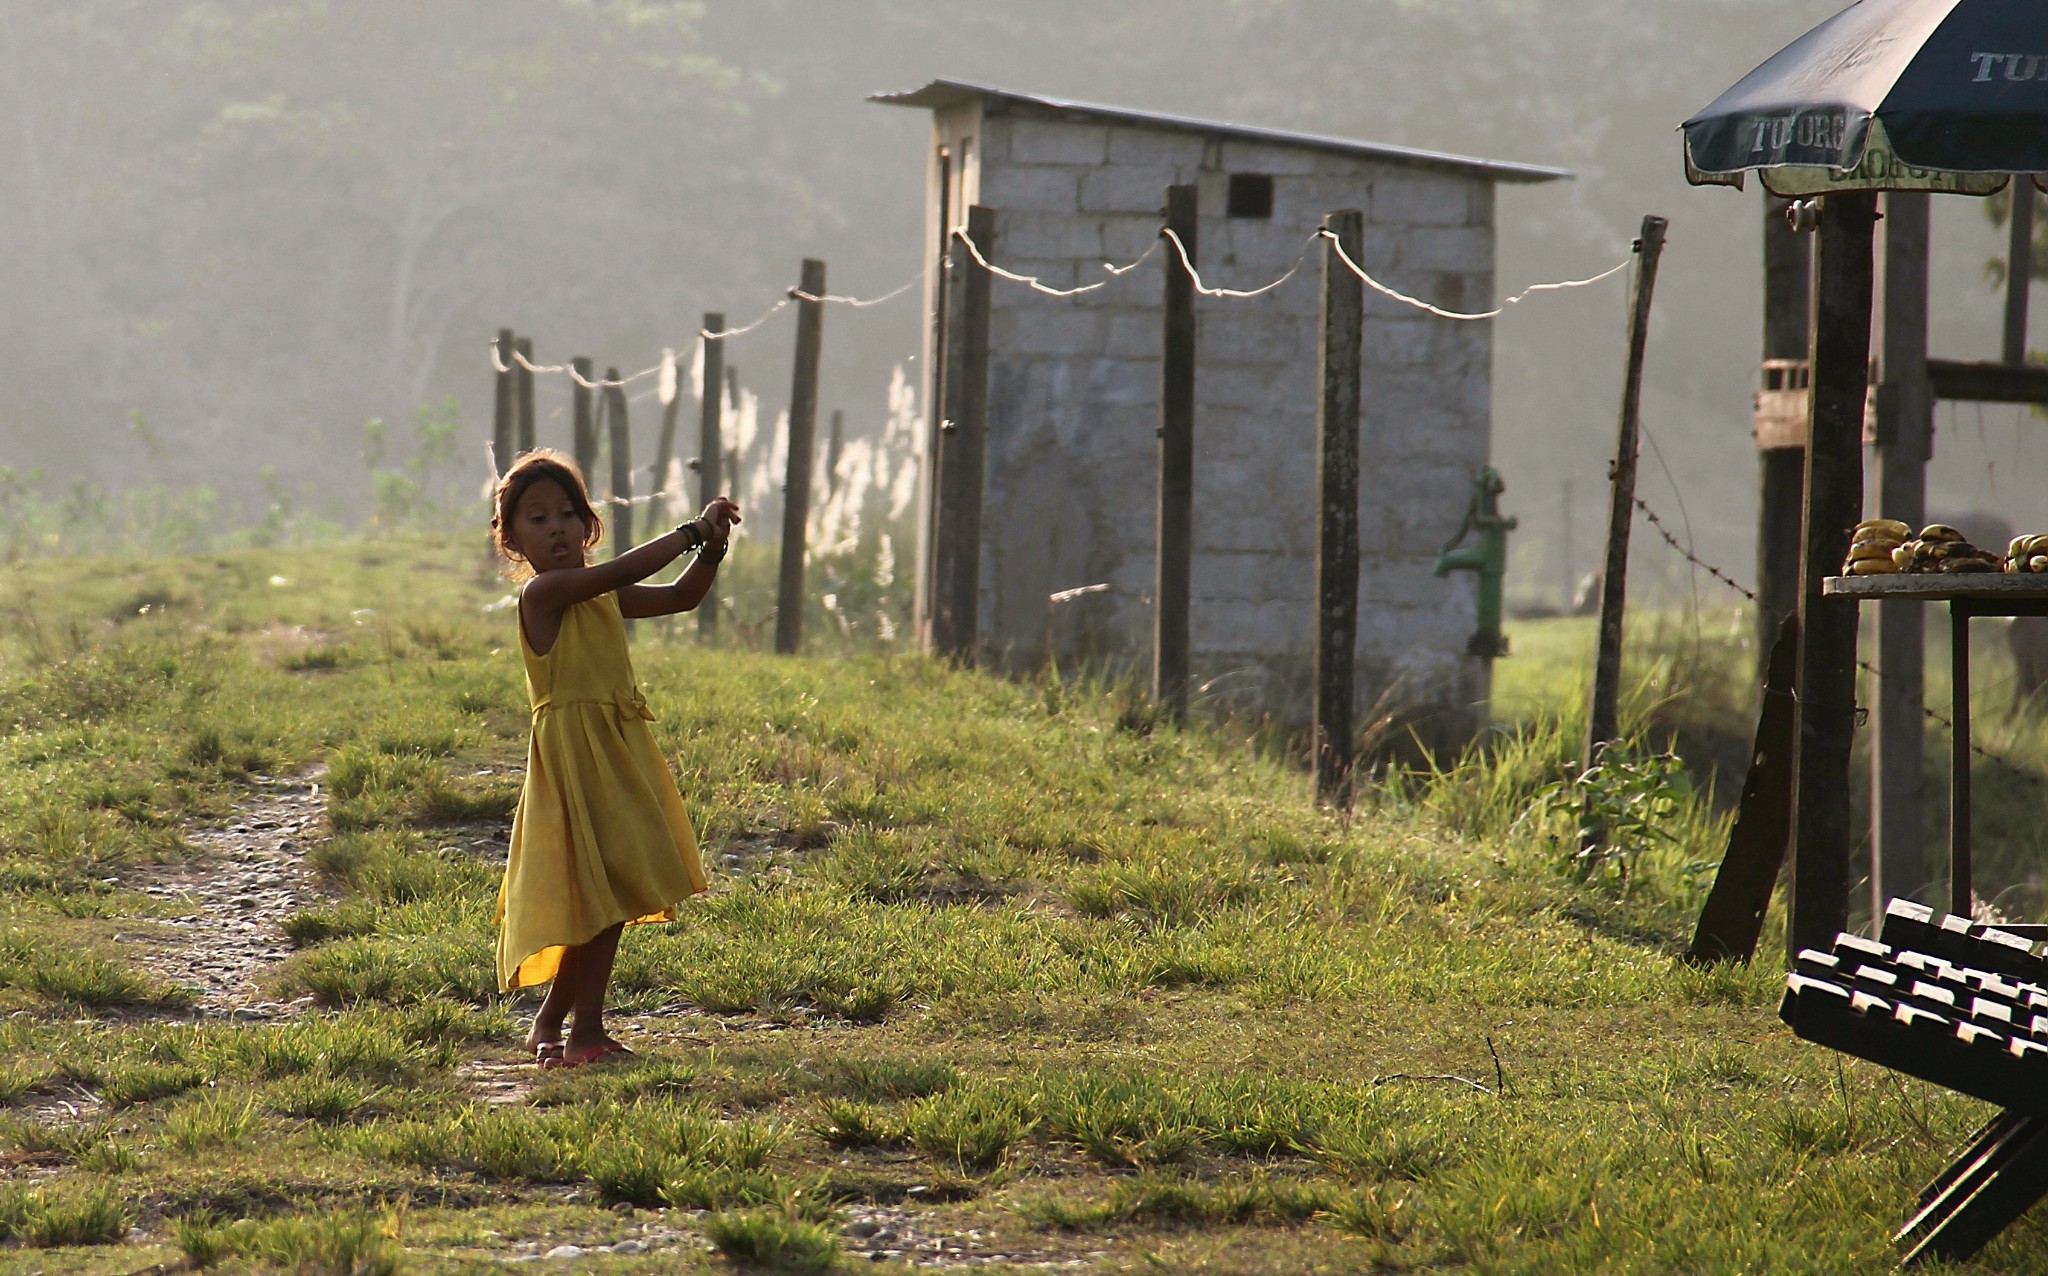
(1487, 555)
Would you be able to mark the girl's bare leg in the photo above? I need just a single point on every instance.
(554, 1008)
(593, 976)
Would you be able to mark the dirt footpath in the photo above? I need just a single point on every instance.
(247, 876)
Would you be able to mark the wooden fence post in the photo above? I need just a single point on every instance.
(1788, 287)
(1905, 419)
(525, 422)
(504, 390)
(968, 450)
(710, 445)
(622, 463)
(796, 491)
(956, 531)
(924, 597)
(1603, 719)
(585, 440)
(1822, 835)
(1176, 465)
(1337, 498)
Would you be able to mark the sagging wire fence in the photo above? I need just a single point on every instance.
(666, 366)
(1166, 236)
(965, 242)
(1941, 720)
(665, 369)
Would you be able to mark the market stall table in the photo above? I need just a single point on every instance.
(1968, 594)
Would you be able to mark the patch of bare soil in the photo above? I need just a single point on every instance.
(881, 1234)
(878, 1235)
(227, 936)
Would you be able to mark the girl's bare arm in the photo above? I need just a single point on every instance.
(556, 591)
(688, 589)
(681, 594)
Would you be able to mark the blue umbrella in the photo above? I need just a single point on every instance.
(1937, 95)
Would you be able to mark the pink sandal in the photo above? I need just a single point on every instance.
(594, 1054)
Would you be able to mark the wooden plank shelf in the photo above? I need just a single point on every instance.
(1941, 586)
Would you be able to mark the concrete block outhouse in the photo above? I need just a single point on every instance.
(1070, 473)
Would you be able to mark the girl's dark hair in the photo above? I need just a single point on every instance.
(534, 467)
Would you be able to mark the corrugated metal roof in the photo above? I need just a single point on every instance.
(944, 93)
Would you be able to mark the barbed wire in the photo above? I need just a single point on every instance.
(1688, 555)
(648, 499)
(1948, 725)
(798, 294)
(519, 359)
(1419, 304)
(1167, 233)
(1944, 722)
(550, 369)
(1033, 281)
(745, 328)
(856, 302)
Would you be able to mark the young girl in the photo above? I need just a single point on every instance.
(600, 840)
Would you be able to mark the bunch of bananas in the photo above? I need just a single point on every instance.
(1941, 548)
(2027, 554)
(1885, 546)
(1873, 545)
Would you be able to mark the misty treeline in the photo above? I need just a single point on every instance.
(232, 233)
(263, 224)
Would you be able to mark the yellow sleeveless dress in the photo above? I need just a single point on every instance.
(601, 836)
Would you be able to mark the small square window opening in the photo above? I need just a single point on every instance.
(1251, 195)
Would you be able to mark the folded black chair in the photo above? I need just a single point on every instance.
(1963, 1005)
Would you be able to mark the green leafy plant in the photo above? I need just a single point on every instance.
(1617, 808)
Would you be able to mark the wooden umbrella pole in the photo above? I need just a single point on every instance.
(1905, 416)
(1843, 287)
(1788, 306)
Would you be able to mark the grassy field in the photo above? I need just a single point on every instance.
(991, 972)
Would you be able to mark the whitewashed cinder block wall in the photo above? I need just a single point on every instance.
(1070, 489)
